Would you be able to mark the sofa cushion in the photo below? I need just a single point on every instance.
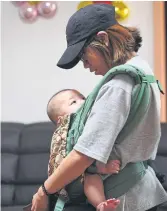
(24, 193)
(32, 168)
(162, 148)
(161, 165)
(161, 158)
(25, 154)
(9, 164)
(12, 208)
(36, 138)
(7, 194)
(162, 207)
(10, 137)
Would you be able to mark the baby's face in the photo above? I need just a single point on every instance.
(71, 101)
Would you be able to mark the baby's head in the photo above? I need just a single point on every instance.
(64, 102)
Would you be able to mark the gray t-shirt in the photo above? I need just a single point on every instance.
(107, 117)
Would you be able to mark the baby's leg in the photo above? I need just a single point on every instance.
(94, 190)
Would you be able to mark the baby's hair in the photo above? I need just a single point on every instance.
(55, 109)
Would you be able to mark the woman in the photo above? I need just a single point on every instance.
(95, 38)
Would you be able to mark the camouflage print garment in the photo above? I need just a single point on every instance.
(58, 148)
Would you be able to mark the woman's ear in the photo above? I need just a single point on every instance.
(104, 37)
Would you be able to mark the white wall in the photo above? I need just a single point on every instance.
(30, 53)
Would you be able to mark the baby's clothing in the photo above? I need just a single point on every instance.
(58, 149)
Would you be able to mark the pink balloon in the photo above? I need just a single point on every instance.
(18, 3)
(28, 12)
(47, 9)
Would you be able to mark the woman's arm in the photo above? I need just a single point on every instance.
(105, 121)
(108, 116)
(69, 169)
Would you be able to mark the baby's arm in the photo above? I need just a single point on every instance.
(112, 167)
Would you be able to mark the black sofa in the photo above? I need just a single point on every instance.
(25, 155)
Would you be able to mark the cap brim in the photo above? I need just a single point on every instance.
(71, 57)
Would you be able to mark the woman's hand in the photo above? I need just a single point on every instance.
(72, 166)
(112, 167)
(39, 201)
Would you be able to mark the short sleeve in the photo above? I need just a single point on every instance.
(107, 117)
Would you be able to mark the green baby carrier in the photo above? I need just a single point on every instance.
(118, 184)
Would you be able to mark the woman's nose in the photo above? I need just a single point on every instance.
(86, 64)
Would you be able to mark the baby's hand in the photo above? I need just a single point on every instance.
(112, 167)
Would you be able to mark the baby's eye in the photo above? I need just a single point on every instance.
(74, 101)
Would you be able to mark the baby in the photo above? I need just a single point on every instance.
(66, 102)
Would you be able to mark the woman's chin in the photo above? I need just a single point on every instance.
(97, 73)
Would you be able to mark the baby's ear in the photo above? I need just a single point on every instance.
(58, 119)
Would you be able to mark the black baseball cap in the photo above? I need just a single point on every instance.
(81, 26)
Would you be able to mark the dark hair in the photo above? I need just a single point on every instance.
(136, 35)
(52, 110)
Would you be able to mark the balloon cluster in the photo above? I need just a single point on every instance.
(121, 9)
(30, 10)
